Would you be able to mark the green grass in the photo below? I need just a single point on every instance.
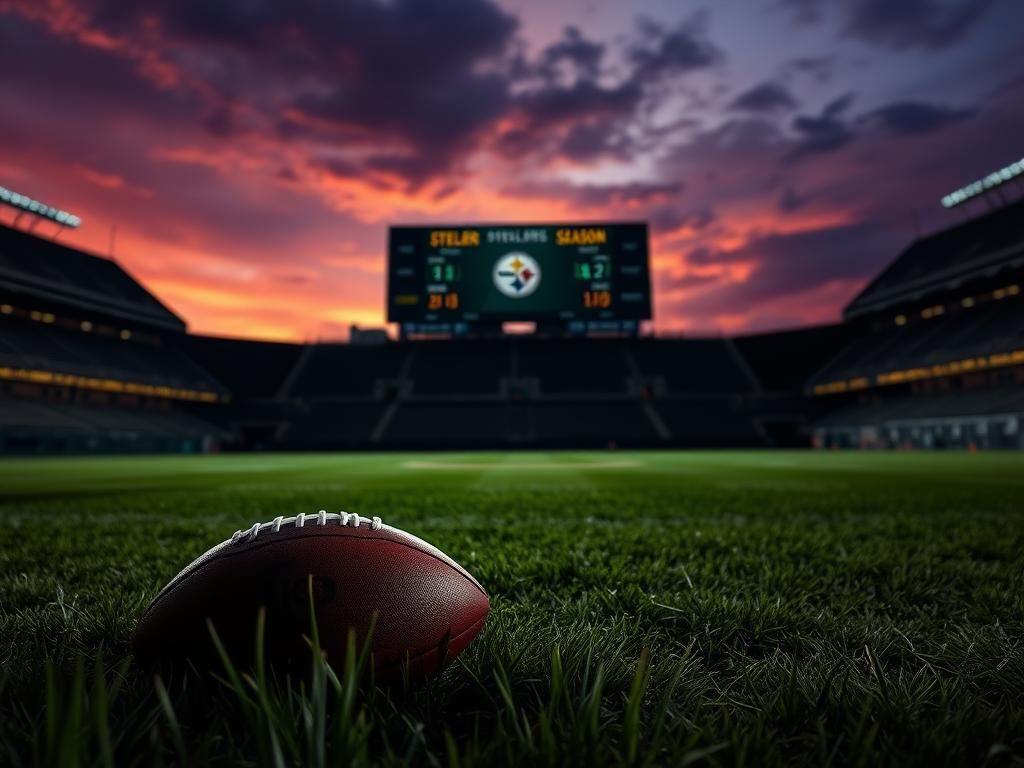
(647, 609)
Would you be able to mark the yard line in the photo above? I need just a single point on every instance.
(532, 466)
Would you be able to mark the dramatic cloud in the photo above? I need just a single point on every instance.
(910, 118)
(251, 156)
(766, 97)
(914, 23)
(779, 267)
(665, 51)
(573, 57)
(930, 24)
(823, 133)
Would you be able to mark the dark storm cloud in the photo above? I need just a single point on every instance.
(399, 33)
(787, 265)
(411, 81)
(633, 193)
(911, 118)
(573, 52)
(601, 138)
(914, 23)
(80, 107)
(900, 24)
(360, 70)
(79, 82)
(574, 112)
(765, 97)
(675, 50)
(389, 77)
(823, 133)
(583, 99)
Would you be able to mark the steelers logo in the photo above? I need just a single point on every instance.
(516, 275)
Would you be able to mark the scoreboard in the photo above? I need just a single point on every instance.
(541, 272)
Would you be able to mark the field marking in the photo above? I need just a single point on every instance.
(532, 466)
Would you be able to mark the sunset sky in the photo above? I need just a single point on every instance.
(252, 154)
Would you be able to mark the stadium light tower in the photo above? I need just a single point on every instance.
(984, 185)
(25, 204)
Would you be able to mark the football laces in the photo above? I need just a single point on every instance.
(321, 518)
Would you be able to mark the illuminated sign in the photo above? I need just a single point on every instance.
(565, 273)
(27, 204)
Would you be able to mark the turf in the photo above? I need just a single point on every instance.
(647, 609)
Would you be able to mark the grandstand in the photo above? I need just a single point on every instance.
(500, 392)
(930, 354)
(938, 358)
(90, 361)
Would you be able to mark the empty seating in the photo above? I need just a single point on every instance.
(593, 423)
(336, 424)
(691, 365)
(574, 365)
(25, 344)
(459, 367)
(990, 328)
(708, 422)
(332, 370)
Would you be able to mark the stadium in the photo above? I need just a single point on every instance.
(478, 383)
(929, 355)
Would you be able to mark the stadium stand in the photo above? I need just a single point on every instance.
(337, 370)
(565, 366)
(783, 361)
(35, 426)
(249, 369)
(460, 368)
(990, 418)
(43, 271)
(90, 361)
(711, 422)
(691, 365)
(35, 345)
(990, 244)
(938, 356)
(510, 391)
(331, 425)
(593, 424)
(463, 425)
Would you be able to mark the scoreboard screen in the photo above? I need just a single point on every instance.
(545, 272)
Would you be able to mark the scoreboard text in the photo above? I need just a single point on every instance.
(545, 272)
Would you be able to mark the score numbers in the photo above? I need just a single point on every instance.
(436, 301)
(444, 272)
(442, 275)
(596, 271)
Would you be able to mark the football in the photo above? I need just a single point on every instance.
(413, 602)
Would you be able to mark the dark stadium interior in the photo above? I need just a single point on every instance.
(931, 353)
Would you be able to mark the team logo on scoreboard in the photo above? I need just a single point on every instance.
(516, 275)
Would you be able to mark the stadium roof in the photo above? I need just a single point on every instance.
(46, 270)
(945, 260)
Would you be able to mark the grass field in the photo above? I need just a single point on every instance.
(647, 609)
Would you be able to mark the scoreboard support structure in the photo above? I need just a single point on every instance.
(568, 279)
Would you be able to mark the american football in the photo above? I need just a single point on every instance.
(409, 600)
